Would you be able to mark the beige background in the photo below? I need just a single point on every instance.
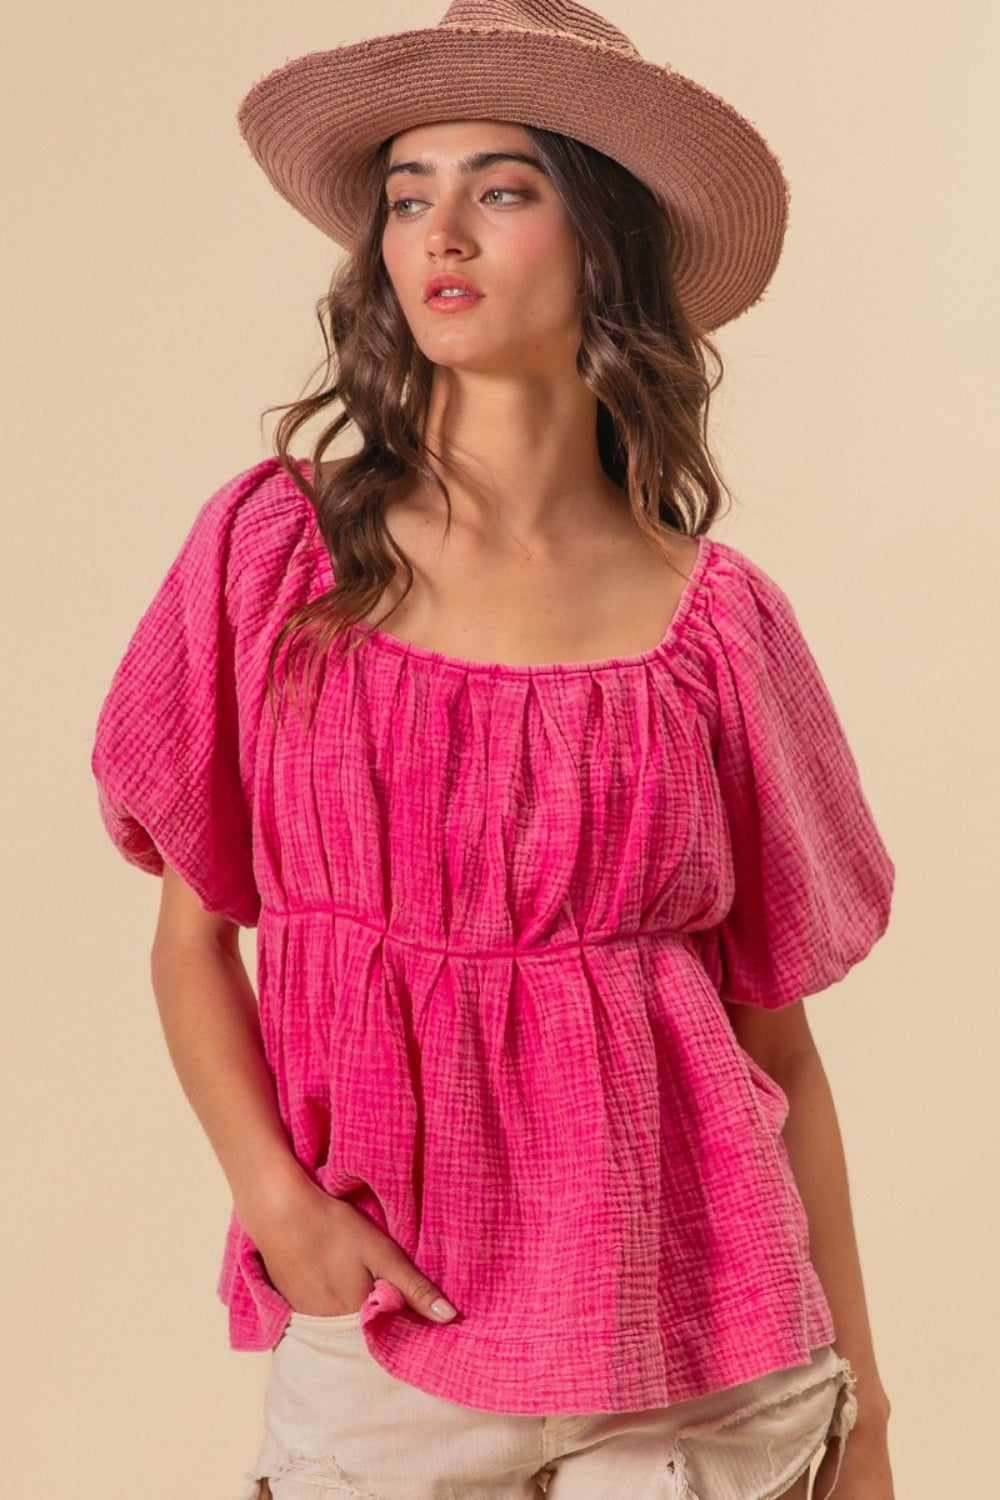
(157, 295)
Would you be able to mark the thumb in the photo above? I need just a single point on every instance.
(422, 1295)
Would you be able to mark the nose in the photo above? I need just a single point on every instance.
(448, 231)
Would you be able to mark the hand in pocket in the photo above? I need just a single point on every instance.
(322, 1254)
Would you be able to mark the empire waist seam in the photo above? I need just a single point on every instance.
(541, 948)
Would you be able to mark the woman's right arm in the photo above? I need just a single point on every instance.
(321, 1253)
(209, 1016)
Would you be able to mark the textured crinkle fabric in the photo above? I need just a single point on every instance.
(499, 909)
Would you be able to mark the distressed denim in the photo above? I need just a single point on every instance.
(340, 1427)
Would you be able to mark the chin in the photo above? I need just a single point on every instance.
(472, 357)
(470, 361)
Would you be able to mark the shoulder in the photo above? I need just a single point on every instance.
(741, 591)
(256, 531)
(259, 509)
(749, 624)
(683, 549)
(743, 572)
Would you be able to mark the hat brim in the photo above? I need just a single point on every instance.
(313, 125)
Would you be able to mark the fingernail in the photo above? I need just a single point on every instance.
(442, 1309)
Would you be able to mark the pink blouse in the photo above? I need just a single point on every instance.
(499, 908)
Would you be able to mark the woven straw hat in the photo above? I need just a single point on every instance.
(314, 124)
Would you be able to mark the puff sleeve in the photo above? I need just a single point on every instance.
(812, 880)
(173, 751)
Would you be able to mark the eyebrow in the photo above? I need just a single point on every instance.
(476, 163)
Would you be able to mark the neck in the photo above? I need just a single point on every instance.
(519, 455)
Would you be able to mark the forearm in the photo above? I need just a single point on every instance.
(209, 1017)
(815, 1149)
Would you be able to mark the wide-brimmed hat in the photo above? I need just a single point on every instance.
(314, 124)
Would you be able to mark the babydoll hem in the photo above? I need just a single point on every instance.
(494, 1392)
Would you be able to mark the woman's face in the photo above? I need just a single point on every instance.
(466, 208)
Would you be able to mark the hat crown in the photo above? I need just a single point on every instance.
(561, 16)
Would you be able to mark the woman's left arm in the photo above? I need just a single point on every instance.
(781, 1042)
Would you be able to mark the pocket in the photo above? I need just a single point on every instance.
(319, 1321)
(774, 1430)
(770, 1095)
(771, 1105)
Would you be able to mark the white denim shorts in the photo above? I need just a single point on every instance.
(340, 1427)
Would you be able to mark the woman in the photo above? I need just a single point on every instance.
(537, 1179)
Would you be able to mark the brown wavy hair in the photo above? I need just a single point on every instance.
(650, 368)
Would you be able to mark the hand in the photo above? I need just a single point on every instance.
(323, 1255)
(865, 1473)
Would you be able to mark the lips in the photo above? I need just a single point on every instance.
(444, 283)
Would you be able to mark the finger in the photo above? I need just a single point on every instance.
(420, 1293)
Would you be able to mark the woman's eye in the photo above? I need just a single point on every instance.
(497, 193)
(401, 207)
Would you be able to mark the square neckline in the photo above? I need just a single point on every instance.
(429, 656)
